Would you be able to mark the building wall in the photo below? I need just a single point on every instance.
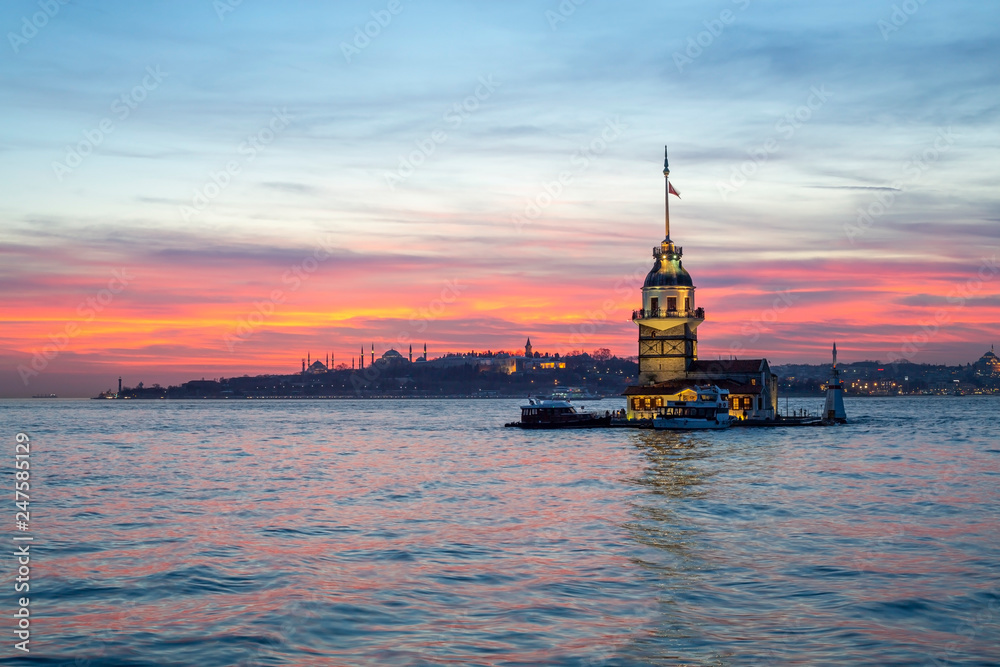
(661, 294)
(666, 355)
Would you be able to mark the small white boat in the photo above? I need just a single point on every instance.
(705, 407)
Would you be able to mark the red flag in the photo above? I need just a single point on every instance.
(670, 189)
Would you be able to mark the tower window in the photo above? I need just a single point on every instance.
(687, 303)
(671, 303)
(654, 305)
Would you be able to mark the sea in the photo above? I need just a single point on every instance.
(423, 532)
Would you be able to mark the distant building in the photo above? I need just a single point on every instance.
(988, 364)
(668, 343)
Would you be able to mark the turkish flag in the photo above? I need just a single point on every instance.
(670, 189)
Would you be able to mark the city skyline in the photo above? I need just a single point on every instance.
(233, 185)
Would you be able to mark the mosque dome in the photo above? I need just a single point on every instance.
(668, 272)
(392, 354)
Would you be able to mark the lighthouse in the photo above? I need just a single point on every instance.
(668, 320)
(668, 343)
(833, 410)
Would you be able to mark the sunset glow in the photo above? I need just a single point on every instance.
(835, 201)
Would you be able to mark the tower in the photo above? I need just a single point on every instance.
(373, 354)
(303, 365)
(527, 348)
(668, 320)
(411, 353)
(833, 409)
(361, 364)
(425, 351)
(119, 384)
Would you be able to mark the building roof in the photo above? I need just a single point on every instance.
(727, 366)
(668, 272)
(392, 354)
(672, 387)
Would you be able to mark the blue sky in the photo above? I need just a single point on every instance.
(839, 102)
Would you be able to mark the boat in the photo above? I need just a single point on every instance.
(547, 413)
(573, 394)
(707, 408)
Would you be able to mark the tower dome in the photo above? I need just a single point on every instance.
(667, 271)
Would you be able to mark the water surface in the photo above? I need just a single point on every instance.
(422, 532)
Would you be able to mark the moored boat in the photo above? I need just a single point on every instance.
(557, 414)
(707, 409)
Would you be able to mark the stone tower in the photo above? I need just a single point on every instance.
(668, 320)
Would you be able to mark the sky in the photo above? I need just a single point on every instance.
(202, 188)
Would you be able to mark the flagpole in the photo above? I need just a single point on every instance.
(666, 192)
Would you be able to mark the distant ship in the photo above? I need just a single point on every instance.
(45, 396)
(573, 394)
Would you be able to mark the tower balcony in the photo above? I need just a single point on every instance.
(665, 248)
(662, 313)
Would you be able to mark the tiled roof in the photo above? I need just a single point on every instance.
(727, 365)
(672, 387)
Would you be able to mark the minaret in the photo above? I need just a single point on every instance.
(362, 364)
(373, 354)
(527, 348)
(668, 320)
(833, 410)
(425, 352)
(303, 365)
(308, 360)
(328, 361)
(119, 384)
(411, 353)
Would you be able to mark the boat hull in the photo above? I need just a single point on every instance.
(596, 422)
(685, 424)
